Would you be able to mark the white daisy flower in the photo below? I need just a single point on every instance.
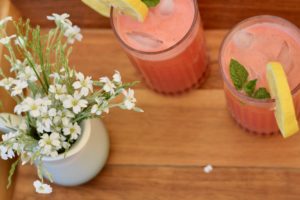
(6, 40)
(18, 65)
(117, 77)
(5, 20)
(60, 19)
(27, 75)
(84, 84)
(101, 106)
(33, 106)
(44, 122)
(73, 33)
(130, 100)
(73, 130)
(7, 83)
(42, 188)
(108, 85)
(50, 144)
(18, 87)
(66, 145)
(10, 136)
(58, 90)
(6, 153)
(75, 102)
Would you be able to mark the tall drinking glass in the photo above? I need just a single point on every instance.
(168, 48)
(254, 42)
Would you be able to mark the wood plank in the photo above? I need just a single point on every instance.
(94, 56)
(6, 8)
(192, 129)
(174, 183)
(216, 14)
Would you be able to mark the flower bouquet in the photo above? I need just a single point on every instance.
(53, 99)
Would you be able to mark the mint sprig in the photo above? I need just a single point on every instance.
(238, 73)
(261, 93)
(239, 76)
(151, 3)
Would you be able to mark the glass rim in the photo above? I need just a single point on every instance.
(190, 31)
(227, 82)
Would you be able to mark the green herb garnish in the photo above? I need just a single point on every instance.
(151, 3)
(239, 76)
(261, 93)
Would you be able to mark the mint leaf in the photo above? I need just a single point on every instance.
(261, 93)
(238, 74)
(249, 88)
(151, 3)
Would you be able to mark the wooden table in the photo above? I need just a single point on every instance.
(160, 154)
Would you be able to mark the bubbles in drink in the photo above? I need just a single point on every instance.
(144, 39)
(166, 7)
(243, 39)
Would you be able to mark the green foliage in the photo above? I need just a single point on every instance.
(11, 172)
(239, 76)
(151, 3)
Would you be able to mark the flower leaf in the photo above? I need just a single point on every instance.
(151, 3)
(261, 93)
(11, 172)
(249, 87)
(238, 74)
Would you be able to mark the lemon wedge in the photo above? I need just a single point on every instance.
(285, 110)
(135, 8)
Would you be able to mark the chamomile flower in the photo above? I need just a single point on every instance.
(42, 188)
(84, 84)
(108, 85)
(130, 100)
(75, 102)
(73, 130)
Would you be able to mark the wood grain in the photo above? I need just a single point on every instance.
(174, 183)
(100, 54)
(216, 14)
(6, 8)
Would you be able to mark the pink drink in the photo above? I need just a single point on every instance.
(168, 47)
(255, 42)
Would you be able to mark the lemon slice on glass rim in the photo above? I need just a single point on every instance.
(285, 113)
(135, 8)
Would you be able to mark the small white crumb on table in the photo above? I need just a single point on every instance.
(208, 169)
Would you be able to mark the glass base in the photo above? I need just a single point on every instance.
(197, 84)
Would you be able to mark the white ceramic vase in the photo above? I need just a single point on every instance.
(84, 160)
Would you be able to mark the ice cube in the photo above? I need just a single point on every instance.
(243, 39)
(284, 54)
(166, 7)
(146, 40)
